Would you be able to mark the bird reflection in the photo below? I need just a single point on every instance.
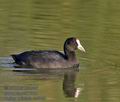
(69, 85)
(68, 82)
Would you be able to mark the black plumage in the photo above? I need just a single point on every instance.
(50, 58)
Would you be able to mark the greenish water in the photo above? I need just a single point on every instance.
(37, 24)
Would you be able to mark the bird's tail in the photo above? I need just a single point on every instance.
(14, 57)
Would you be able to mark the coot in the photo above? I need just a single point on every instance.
(51, 58)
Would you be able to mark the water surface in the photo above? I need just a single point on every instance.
(37, 24)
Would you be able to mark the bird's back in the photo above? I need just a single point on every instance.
(41, 58)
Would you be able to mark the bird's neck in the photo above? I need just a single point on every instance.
(70, 55)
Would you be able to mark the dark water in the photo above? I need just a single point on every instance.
(45, 24)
